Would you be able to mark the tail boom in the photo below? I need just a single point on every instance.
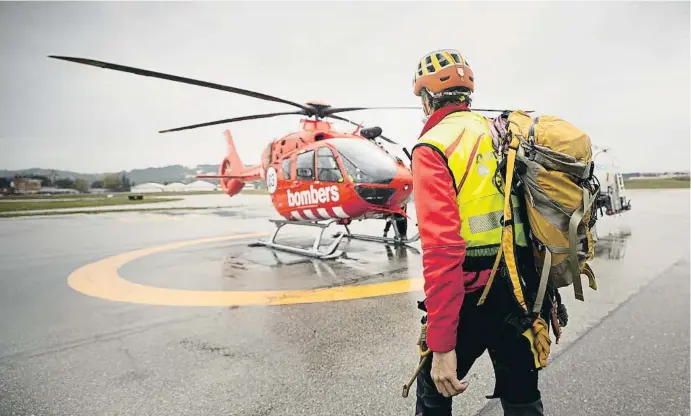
(232, 172)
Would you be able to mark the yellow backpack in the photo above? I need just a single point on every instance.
(549, 161)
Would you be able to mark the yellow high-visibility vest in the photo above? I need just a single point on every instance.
(458, 137)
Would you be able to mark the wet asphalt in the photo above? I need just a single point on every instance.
(625, 350)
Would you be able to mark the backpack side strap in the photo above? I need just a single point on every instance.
(544, 278)
(575, 220)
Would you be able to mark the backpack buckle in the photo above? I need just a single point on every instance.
(531, 155)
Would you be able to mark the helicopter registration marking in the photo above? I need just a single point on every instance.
(271, 179)
(102, 280)
(313, 196)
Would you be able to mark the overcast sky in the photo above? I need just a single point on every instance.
(618, 70)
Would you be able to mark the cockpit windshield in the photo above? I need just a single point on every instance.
(364, 161)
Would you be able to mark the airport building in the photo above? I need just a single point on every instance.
(195, 186)
(148, 187)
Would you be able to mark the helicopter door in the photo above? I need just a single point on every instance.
(327, 167)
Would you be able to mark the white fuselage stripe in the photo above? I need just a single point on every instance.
(340, 213)
(308, 213)
(323, 213)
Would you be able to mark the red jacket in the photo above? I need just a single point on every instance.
(443, 249)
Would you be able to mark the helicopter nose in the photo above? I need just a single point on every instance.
(404, 185)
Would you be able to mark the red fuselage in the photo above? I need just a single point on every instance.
(319, 174)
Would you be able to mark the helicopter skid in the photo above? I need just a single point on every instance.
(330, 252)
(387, 240)
(397, 240)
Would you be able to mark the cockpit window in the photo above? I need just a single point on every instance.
(364, 161)
(327, 168)
(285, 166)
(305, 166)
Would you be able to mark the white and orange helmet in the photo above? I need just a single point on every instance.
(441, 70)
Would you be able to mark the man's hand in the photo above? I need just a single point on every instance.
(444, 374)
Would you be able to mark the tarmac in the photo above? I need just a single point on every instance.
(174, 313)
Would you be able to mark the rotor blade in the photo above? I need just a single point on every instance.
(335, 110)
(344, 119)
(230, 120)
(169, 77)
(358, 124)
(386, 139)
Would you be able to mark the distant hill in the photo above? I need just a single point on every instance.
(50, 173)
(179, 173)
(173, 173)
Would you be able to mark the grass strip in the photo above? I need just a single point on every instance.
(125, 194)
(104, 211)
(661, 183)
(12, 206)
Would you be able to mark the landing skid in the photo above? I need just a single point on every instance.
(330, 252)
(396, 240)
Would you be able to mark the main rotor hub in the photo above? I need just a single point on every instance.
(318, 104)
(318, 108)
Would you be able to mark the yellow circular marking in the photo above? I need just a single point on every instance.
(101, 279)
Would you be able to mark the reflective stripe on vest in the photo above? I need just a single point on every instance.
(480, 204)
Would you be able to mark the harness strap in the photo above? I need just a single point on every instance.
(491, 278)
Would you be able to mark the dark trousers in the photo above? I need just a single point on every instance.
(401, 224)
(487, 327)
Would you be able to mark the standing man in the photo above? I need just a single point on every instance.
(401, 224)
(459, 212)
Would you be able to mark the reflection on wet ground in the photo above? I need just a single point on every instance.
(65, 353)
(612, 247)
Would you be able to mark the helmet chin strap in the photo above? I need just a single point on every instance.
(426, 102)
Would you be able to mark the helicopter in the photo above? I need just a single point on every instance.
(316, 176)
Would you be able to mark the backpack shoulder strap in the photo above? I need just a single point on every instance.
(506, 248)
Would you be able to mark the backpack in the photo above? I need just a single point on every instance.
(549, 162)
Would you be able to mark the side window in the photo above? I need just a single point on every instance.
(285, 166)
(305, 166)
(327, 168)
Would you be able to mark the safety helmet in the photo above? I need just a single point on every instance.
(443, 69)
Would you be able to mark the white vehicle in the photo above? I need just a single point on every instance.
(612, 199)
(612, 192)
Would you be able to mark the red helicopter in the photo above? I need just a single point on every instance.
(316, 176)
